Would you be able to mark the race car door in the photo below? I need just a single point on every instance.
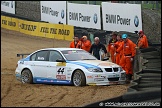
(39, 64)
(57, 70)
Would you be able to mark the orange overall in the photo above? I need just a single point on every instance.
(118, 55)
(73, 45)
(111, 49)
(86, 45)
(143, 43)
(127, 54)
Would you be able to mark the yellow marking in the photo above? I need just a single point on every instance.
(61, 64)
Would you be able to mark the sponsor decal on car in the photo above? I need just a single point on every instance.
(68, 77)
(101, 76)
(21, 62)
(40, 58)
(51, 81)
(68, 73)
(89, 76)
(61, 77)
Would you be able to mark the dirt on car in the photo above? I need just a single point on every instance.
(17, 94)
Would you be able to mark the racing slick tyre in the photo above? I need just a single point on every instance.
(26, 76)
(79, 78)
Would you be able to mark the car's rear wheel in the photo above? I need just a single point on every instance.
(26, 76)
(79, 78)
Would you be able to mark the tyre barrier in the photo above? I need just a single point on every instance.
(146, 85)
(132, 99)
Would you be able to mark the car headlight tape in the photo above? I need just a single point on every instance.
(95, 69)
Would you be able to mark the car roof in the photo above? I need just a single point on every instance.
(60, 49)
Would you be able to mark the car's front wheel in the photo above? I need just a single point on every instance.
(79, 78)
(26, 76)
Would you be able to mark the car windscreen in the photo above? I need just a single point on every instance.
(73, 55)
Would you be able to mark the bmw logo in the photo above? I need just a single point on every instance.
(95, 18)
(62, 14)
(136, 21)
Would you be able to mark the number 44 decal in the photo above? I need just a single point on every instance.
(60, 70)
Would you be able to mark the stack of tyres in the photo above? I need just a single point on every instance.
(147, 81)
(146, 86)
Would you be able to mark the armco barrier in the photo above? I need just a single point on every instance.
(20, 17)
(47, 30)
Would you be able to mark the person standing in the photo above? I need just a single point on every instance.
(111, 48)
(85, 43)
(142, 41)
(117, 45)
(96, 47)
(127, 56)
(75, 43)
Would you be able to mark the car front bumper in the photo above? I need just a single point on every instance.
(106, 79)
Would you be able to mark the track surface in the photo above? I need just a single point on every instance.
(15, 94)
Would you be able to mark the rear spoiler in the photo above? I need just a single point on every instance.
(22, 55)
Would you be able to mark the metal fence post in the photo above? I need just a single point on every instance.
(157, 5)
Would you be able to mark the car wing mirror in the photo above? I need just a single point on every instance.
(60, 60)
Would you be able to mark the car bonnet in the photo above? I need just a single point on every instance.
(93, 63)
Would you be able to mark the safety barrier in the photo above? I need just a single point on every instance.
(47, 30)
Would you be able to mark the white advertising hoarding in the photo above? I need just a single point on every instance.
(8, 6)
(121, 17)
(84, 15)
(53, 11)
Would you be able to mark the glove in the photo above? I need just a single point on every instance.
(131, 59)
(137, 47)
(114, 54)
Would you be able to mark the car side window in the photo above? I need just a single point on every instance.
(54, 55)
(42, 56)
(33, 57)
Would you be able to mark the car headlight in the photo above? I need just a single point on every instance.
(95, 70)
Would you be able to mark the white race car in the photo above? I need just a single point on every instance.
(67, 66)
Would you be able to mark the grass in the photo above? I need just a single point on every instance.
(150, 6)
(143, 6)
(85, 2)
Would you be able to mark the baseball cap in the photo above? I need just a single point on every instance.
(113, 33)
(124, 36)
(140, 32)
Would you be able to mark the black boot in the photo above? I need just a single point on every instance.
(130, 76)
(127, 78)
